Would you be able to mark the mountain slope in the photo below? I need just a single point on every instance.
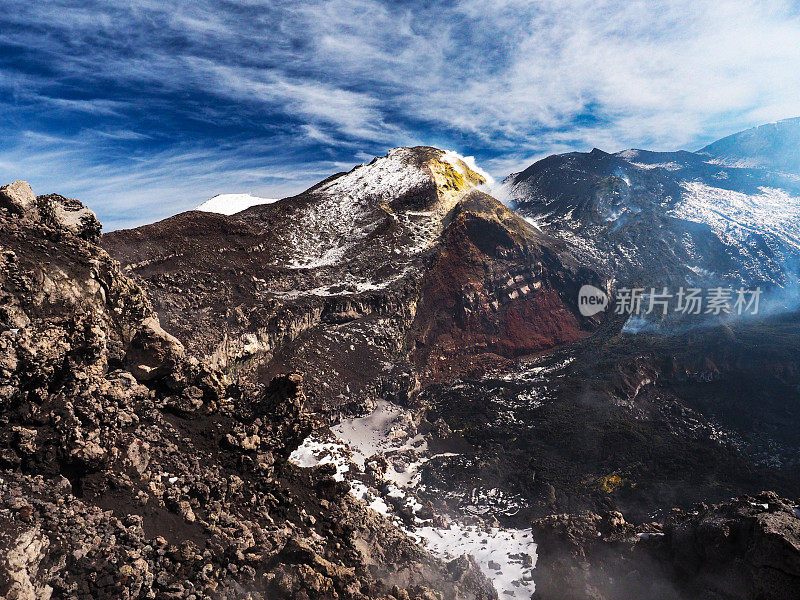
(666, 218)
(335, 278)
(775, 147)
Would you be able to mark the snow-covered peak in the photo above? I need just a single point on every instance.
(415, 187)
(385, 177)
(229, 204)
(402, 170)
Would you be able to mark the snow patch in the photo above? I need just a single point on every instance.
(314, 452)
(669, 166)
(229, 204)
(628, 154)
(386, 432)
(506, 556)
(734, 215)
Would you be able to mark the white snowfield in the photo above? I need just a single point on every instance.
(733, 216)
(230, 204)
(506, 556)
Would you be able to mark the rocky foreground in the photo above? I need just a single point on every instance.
(131, 470)
(744, 548)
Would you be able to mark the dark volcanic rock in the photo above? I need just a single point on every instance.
(636, 423)
(746, 548)
(666, 218)
(369, 280)
(133, 470)
(148, 409)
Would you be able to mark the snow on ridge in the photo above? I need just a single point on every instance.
(343, 211)
(629, 154)
(229, 204)
(669, 166)
(738, 163)
(387, 177)
(395, 174)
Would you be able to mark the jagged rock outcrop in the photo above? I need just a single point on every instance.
(131, 469)
(746, 548)
(59, 212)
(17, 197)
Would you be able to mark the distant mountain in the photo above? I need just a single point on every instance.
(229, 204)
(667, 217)
(775, 146)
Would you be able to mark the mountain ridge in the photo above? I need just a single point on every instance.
(706, 222)
(350, 248)
(770, 146)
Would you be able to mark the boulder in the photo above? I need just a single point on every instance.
(18, 197)
(70, 215)
(153, 352)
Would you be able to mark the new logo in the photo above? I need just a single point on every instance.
(591, 300)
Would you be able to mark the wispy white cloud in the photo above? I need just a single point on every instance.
(151, 186)
(198, 94)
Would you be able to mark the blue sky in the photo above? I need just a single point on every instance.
(145, 108)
